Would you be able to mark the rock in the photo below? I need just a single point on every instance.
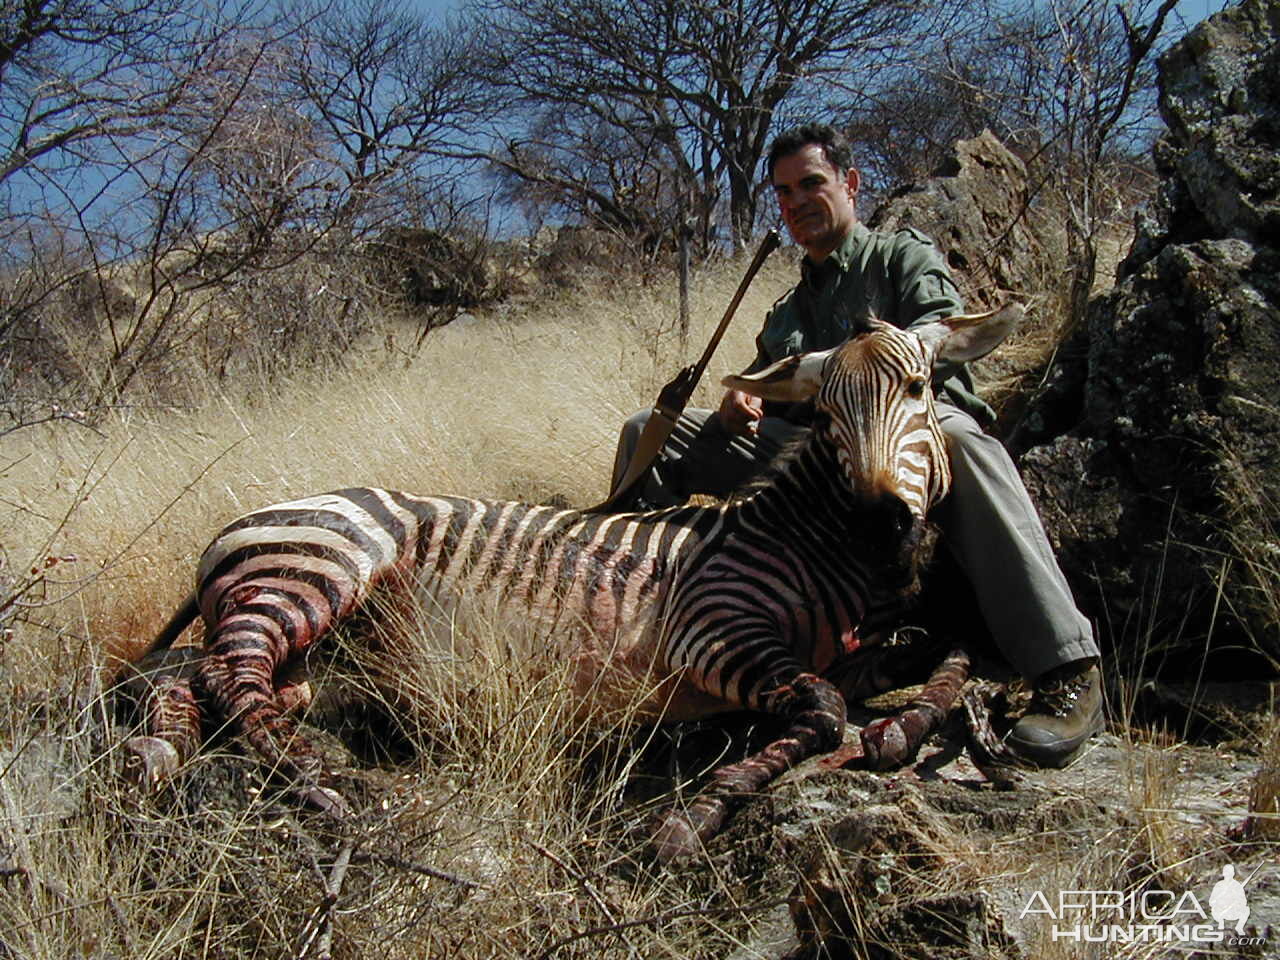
(875, 885)
(1159, 494)
(1220, 96)
(43, 787)
(42, 781)
(933, 862)
(974, 208)
(93, 298)
(567, 256)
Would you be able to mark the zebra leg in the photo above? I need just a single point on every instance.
(876, 668)
(172, 716)
(294, 693)
(816, 711)
(893, 741)
(159, 695)
(173, 723)
(987, 748)
(246, 648)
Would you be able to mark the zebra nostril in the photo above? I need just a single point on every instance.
(904, 520)
(898, 515)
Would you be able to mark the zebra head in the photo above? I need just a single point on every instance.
(878, 409)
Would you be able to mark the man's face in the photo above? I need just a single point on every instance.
(816, 200)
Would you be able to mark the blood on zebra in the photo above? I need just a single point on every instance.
(762, 602)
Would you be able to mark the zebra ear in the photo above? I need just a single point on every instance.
(790, 380)
(968, 337)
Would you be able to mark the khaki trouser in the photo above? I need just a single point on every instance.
(988, 522)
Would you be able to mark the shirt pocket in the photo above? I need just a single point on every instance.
(779, 344)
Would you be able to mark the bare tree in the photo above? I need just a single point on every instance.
(88, 93)
(982, 73)
(389, 91)
(568, 167)
(171, 148)
(1068, 85)
(73, 72)
(259, 162)
(693, 86)
(1102, 64)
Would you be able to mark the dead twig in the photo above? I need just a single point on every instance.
(402, 864)
(318, 930)
(585, 884)
(122, 925)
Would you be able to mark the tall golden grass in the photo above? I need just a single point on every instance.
(512, 828)
(494, 840)
(520, 406)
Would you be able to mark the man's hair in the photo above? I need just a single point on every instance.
(834, 144)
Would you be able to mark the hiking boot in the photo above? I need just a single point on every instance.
(1065, 711)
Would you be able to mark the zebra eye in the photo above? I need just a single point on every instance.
(915, 388)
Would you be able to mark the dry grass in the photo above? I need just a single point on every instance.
(523, 407)
(510, 827)
(507, 831)
(505, 835)
(1264, 791)
(1017, 371)
(1005, 375)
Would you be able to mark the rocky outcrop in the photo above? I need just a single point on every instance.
(570, 256)
(428, 268)
(935, 862)
(975, 208)
(1162, 497)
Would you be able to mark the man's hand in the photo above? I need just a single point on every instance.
(740, 412)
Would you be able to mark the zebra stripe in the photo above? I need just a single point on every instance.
(744, 604)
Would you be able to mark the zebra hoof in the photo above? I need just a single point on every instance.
(150, 761)
(676, 840)
(884, 745)
(325, 800)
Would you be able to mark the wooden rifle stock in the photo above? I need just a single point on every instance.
(673, 397)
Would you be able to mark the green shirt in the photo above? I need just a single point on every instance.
(896, 277)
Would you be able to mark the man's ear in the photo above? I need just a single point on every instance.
(971, 336)
(790, 381)
(853, 180)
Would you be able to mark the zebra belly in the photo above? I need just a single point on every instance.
(598, 630)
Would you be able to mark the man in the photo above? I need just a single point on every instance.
(988, 521)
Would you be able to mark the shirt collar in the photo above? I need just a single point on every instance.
(838, 262)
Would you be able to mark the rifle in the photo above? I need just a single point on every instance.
(673, 397)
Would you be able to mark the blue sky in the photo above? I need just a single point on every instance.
(1191, 11)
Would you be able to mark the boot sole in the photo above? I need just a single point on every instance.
(1058, 754)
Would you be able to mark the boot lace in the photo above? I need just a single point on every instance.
(1059, 695)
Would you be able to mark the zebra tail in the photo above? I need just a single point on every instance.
(182, 618)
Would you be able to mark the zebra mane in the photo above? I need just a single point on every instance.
(863, 323)
(786, 454)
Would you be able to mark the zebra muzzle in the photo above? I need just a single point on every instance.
(893, 521)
